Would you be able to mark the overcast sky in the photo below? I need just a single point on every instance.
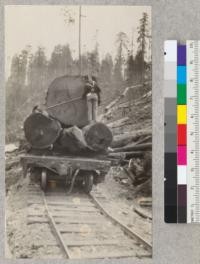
(45, 26)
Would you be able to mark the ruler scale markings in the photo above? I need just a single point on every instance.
(193, 177)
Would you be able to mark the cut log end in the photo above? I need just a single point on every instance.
(41, 131)
(97, 136)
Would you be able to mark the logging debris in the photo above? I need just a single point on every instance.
(145, 202)
(133, 146)
(130, 121)
(10, 148)
(126, 138)
(135, 158)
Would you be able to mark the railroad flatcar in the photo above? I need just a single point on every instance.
(64, 143)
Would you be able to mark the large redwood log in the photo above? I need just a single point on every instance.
(41, 131)
(64, 101)
(72, 140)
(97, 136)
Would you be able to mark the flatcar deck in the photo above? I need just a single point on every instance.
(61, 163)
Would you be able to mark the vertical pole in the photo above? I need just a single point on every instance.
(132, 41)
(80, 60)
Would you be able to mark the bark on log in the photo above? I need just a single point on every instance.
(144, 140)
(124, 139)
(72, 140)
(126, 155)
(112, 104)
(133, 147)
(122, 95)
(118, 123)
(97, 136)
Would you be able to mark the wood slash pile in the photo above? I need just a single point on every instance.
(133, 152)
(132, 141)
(12, 166)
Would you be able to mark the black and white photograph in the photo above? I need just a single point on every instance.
(78, 142)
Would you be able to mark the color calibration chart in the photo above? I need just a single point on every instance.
(182, 131)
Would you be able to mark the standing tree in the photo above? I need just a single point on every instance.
(105, 78)
(60, 63)
(93, 62)
(67, 60)
(54, 66)
(106, 69)
(37, 77)
(143, 34)
(130, 69)
(118, 74)
(16, 93)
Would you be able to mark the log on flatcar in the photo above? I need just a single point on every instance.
(65, 101)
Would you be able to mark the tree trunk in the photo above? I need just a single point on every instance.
(97, 136)
(133, 147)
(119, 123)
(124, 139)
(127, 155)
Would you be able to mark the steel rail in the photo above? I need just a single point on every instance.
(132, 234)
(56, 231)
(126, 229)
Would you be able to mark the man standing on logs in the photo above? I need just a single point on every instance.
(92, 95)
(96, 88)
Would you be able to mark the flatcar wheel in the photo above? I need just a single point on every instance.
(44, 180)
(88, 182)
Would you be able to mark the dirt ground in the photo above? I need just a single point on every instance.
(122, 202)
(24, 241)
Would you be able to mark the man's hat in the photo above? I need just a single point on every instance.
(94, 78)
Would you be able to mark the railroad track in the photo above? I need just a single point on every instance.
(82, 227)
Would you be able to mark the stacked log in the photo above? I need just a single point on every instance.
(65, 101)
(97, 136)
(64, 121)
(72, 140)
(133, 151)
(41, 131)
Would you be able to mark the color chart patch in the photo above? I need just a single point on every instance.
(182, 129)
(170, 86)
(181, 134)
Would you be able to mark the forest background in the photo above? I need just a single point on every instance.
(31, 73)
